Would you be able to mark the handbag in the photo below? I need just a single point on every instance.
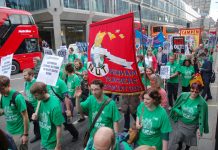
(87, 134)
(133, 131)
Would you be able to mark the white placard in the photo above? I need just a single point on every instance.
(5, 68)
(50, 69)
(165, 72)
(48, 51)
(63, 52)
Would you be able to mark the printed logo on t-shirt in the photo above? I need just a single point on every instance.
(9, 113)
(188, 112)
(187, 74)
(44, 121)
(98, 123)
(147, 126)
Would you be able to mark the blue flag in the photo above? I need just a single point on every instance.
(158, 40)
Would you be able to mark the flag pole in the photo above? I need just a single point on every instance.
(140, 19)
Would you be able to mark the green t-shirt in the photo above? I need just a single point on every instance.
(173, 69)
(73, 81)
(13, 116)
(85, 61)
(71, 58)
(80, 71)
(182, 57)
(186, 73)
(50, 116)
(60, 88)
(153, 124)
(109, 115)
(62, 73)
(30, 97)
(190, 113)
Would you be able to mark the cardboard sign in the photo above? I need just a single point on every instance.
(179, 44)
(50, 69)
(48, 51)
(5, 68)
(63, 52)
(165, 72)
(166, 47)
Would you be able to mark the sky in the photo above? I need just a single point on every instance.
(214, 9)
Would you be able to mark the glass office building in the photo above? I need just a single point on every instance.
(67, 21)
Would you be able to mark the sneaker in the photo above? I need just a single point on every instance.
(81, 119)
(35, 138)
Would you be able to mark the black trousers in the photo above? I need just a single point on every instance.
(36, 128)
(186, 89)
(127, 118)
(206, 90)
(71, 128)
(172, 91)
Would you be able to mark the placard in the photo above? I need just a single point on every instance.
(48, 51)
(50, 69)
(5, 68)
(165, 72)
(63, 52)
(179, 44)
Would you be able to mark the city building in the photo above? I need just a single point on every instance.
(67, 21)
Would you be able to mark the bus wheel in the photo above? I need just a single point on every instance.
(15, 68)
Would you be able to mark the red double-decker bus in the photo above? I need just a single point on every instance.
(18, 35)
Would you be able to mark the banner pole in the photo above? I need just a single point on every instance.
(140, 19)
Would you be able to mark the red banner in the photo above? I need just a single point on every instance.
(111, 55)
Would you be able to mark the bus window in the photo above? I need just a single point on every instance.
(15, 19)
(25, 19)
(172, 30)
(157, 29)
(28, 46)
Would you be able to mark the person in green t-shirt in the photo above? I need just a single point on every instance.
(72, 81)
(49, 115)
(187, 71)
(71, 56)
(153, 122)
(109, 116)
(60, 91)
(78, 68)
(28, 75)
(105, 139)
(172, 83)
(190, 113)
(16, 115)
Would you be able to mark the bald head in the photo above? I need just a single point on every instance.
(104, 138)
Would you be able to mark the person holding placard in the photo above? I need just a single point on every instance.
(15, 113)
(49, 115)
(28, 75)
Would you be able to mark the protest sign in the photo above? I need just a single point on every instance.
(166, 47)
(63, 52)
(179, 44)
(110, 60)
(165, 72)
(6, 63)
(50, 69)
(48, 51)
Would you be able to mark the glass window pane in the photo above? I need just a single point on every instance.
(25, 19)
(15, 19)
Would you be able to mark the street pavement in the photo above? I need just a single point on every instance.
(207, 142)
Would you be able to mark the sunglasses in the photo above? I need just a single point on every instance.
(196, 91)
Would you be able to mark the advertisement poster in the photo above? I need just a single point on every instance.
(179, 44)
(194, 34)
(110, 59)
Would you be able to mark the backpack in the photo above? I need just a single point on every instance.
(213, 77)
(30, 108)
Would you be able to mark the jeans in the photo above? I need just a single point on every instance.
(36, 129)
(206, 90)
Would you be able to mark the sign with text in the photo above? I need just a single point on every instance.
(48, 51)
(110, 59)
(50, 69)
(165, 72)
(63, 52)
(5, 68)
(179, 44)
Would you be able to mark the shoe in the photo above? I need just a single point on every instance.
(81, 119)
(74, 139)
(35, 138)
(209, 98)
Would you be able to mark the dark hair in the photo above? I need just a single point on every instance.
(69, 68)
(4, 81)
(39, 88)
(155, 95)
(187, 60)
(196, 85)
(98, 82)
(3, 140)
